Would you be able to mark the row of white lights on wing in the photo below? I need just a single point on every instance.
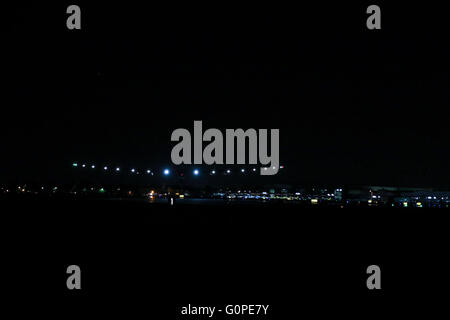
(106, 168)
(166, 172)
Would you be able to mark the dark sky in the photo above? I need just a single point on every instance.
(353, 106)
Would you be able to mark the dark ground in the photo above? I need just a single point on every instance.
(138, 257)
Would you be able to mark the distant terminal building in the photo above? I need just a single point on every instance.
(398, 196)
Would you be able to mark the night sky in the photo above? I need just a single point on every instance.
(353, 106)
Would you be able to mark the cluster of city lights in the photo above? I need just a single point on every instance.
(164, 171)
